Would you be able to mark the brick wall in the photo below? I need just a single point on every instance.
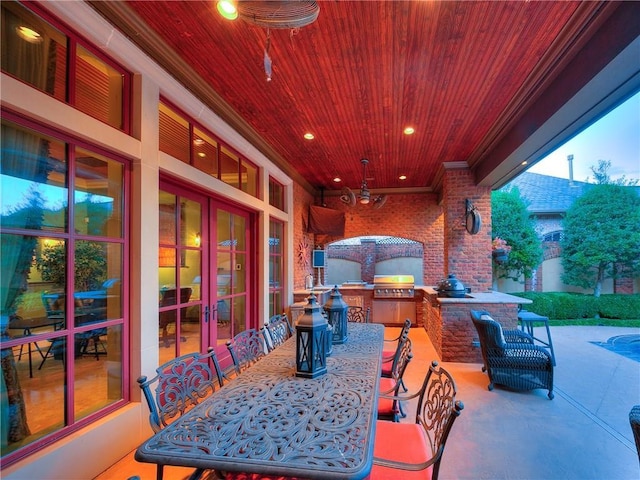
(301, 239)
(467, 256)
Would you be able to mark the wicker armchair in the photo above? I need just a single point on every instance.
(634, 421)
(510, 357)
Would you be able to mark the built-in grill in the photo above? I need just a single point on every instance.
(393, 286)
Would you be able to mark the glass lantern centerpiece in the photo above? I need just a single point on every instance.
(311, 331)
(336, 309)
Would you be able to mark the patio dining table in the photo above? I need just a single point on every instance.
(270, 422)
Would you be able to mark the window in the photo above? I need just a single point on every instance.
(36, 52)
(182, 139)
(62, 242)
(553, 236)
(276, 267)
(276, 194)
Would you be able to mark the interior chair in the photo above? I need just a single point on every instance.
(169, 298)
(390, 408)
(634, 421)
(358, 314)
(178, 385)
(246, 348)
(411, 451)
(278, 331)
(510, 357)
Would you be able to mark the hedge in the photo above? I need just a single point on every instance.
(563, 306)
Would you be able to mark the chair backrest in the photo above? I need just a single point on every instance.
(278, 331)
(401, 360)
(246, 348)
(180, 384)
(357, 314)
(634, 421)
(489, 331)
(169, 296)
(437, 410)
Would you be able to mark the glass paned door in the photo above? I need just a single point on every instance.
(180, 260)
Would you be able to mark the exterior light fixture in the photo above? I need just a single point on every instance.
(409, 131)
(309, 136)
(336, 309)
(311, 342)
(28, 34)
(337, 179)
(402, 177)
(197, 239)
(227, 9)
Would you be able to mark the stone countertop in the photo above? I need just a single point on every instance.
(478, 297)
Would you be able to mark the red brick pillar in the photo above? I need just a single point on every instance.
(465, 255)
(368, 260)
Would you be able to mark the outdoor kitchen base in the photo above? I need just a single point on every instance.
(449, 327)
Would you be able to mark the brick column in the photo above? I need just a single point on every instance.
(368, 261)
(467, 256)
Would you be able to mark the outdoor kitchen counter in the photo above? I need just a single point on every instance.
(476, 297)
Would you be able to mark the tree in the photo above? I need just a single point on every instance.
(601, 175)
(511, 222)
(90, 265)
(601, 236)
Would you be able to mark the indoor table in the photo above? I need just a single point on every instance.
(271, 422)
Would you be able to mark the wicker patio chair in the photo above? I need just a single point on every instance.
(510, 357)
(178, 385)
(278, 331)
(391, 408)
(410, 451)
(246, 348)
(634, 421)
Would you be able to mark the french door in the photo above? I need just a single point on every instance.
(206, 267)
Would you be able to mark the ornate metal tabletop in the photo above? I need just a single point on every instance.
(269, 421)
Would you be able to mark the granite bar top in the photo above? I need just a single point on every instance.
(478, 297)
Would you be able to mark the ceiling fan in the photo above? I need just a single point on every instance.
(349, 198)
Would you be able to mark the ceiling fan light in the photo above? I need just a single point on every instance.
(365, 196)
(227, 9)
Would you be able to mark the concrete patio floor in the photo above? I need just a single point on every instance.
(583, 433)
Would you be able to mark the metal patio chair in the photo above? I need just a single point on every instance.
(246, 348)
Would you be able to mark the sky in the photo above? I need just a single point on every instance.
(615, 137)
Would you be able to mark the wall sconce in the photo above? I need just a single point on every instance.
(197, 239)
(311, 331)
(473, 221)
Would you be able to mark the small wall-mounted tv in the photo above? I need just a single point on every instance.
(318, 259)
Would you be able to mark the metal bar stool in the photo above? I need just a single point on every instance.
(527, 319)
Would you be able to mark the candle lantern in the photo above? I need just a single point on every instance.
(336, 309)
(311, 347)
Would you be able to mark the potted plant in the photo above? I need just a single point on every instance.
(500, 250)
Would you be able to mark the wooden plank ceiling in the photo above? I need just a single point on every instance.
(361, 73)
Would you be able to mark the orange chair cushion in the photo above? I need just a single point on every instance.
(400, 442)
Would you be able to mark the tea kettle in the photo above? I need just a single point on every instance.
(308, 282)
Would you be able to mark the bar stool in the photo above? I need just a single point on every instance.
(527, 319)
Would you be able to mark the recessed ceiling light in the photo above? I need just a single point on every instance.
(227, 9)
(402, 177)
(202, 154)
(337, 179)
(198, 142)
(409, 131)
(525, 162)
(309, 136)
(28, 34)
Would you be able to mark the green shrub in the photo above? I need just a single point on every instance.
(562, 305)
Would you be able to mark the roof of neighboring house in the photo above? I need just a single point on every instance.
(545, 194)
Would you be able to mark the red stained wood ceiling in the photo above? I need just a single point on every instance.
(361, 73)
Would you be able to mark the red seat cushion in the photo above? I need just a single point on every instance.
(400, 442)
(385, 406)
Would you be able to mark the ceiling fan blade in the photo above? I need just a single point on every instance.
(348, 197)
(379, 201)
